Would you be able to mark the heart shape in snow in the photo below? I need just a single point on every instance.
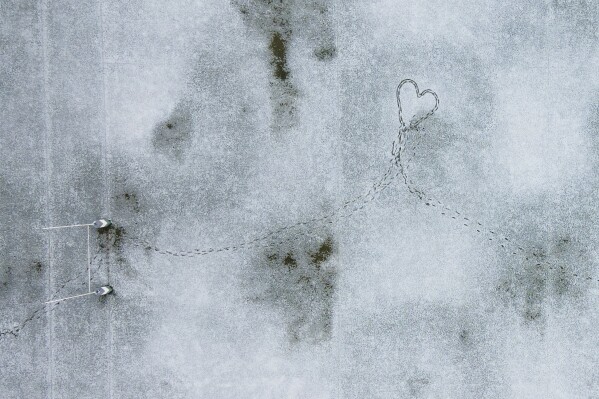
(414, 109)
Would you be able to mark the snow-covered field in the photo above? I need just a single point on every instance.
(225, 138)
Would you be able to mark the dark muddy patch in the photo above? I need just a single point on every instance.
(465, 337)
(111, 237)
(552, 271)
(110, 240)
(298, 279)
(325, 53)
(278, 48)
(37, 266)
(5, 275)
(323, 253)
(290, 261)
(280, 22)
(173, 135)
(111, 247)
(318, 28)
(127, 200)
(273, 19)
(417, 386)
(525, 286)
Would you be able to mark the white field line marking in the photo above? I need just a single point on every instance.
(69, 297)
(89, 267)
(64, 227)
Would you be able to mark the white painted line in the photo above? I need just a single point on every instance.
(69, 297)
(89, 268)
(64, 227)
